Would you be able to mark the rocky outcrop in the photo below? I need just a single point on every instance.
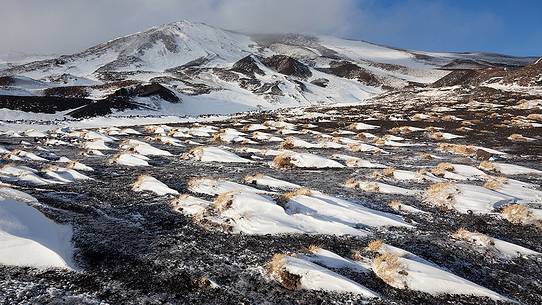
(247, 66)
(146, 90)
(352, 71)
(288, 66)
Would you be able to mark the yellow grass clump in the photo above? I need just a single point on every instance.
(535, 117)
(459, 149)
(288, 143)
(395, 204)
(282, 161)
(276, 268)
(488, 166)
(473, 237)
(361, 136)
(217, 137)
(299, 192)
(495, 183)
(400, 130)
(223, 201)
(388, 171)
(377, 175)
(353, 126)
(517, 213)
(195, 153)
(442, 168)
(351, 183)
(388, 267)
(252, 178)
(375, 245)
(438, 136)
(379, 142)
(314, 248)
(426, 156)
(518, 138)
(202, 282)
(441, 195)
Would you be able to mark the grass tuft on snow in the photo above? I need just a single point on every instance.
(388, 268)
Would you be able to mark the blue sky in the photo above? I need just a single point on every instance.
(66, 26)
(511, 27)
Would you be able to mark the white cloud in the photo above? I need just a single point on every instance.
(63, 26)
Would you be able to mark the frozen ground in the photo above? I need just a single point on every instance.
(302, 206)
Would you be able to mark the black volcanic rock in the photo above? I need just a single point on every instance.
(320, 82)
(456, 77)
(247, 66)
(287, 66)
(41, 104)
(6, 81)
(352, 71)
(68, 91)
(145, 90)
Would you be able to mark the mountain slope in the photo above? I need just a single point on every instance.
(211, 70)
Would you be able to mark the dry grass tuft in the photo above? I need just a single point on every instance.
(276, 268)
(282, 161)
(459, 149)
(217, 137)
(202, 282)
(351, 183)
(351, 163)
(353, 126)
(388, 268)
(299, 192)
(379, 142)
(475, 237)
(361, 136)
(314, 248)
(288, 143)
(223, 201)
(495, 183)
(250, 179)
(354, 147)
(517, 138)
(438, 136)
(442, 168)
(426, 156)
(195, 182)
(517, 213)
(366, 186)
(375, 245)
(535, 117)
(377, 175)
(441, 195)
(195, 153)
(400, 130)
(395, 204)
(388, 171)
(488, 166)
(72, 164)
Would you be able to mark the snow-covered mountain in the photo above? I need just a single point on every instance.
(192, 68)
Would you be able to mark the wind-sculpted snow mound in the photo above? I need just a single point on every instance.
(28, 237)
